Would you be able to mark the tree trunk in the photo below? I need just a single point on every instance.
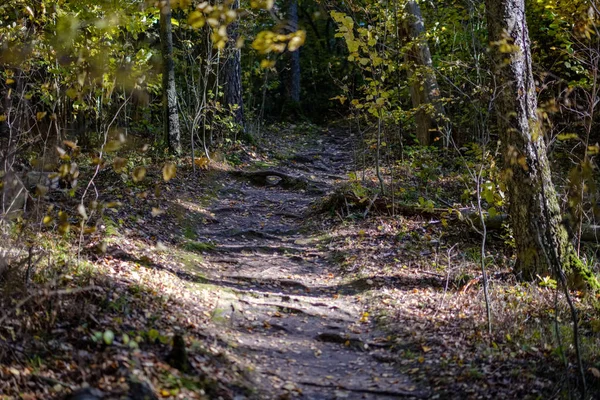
(533, 209)
(424, 91)
(294, 83)
(171, 116)
(233, 71)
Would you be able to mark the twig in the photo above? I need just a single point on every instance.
(370, 205)
(483, 241)
(382, 392)
(432, 273)
(53, 381)
(447, 281)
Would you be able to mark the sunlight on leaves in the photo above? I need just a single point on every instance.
(169, 171)
(138, 174)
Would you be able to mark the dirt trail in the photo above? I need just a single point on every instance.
(287, 310)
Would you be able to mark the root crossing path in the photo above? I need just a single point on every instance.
(284, 305)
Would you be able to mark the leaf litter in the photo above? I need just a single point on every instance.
(273, 297)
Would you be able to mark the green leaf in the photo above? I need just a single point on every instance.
(169, 171)
(97, 336)
(108, 336)
(164, 339)
(567, 136)
(153, 334)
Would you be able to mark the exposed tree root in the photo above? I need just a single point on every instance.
(281, 282)
(262, 178)
(394, 393)
(255, 233)
(258, 248)
(288, 214)
(348, 202)
(334, 337)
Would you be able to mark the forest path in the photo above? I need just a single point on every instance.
(283, 304)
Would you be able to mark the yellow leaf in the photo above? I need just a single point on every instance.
(63, 216)
(72, 93)
(265, 4)
(297, 40)
(113, 204)
(426, 349)
(119, 164)
(40, 114)
(196, 19)
(157, 211)
(138, 174)
(567, 136)
(64, 170)
(267, 63)
(112, 145)
(64, 228)
(169, 171)
(41, 190)
(364, 317)
(47, 219)
(239, 43)
(2, 118)
(70, 144)
(201, 162)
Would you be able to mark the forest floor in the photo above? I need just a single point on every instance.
(277, 294)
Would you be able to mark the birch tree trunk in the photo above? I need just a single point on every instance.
(171, 116)
(424, 91)
(533, 209)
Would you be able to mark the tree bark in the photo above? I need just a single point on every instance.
(294, 83)
(533, 205)
(233, 71)
(424, 89)
(170, 113)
